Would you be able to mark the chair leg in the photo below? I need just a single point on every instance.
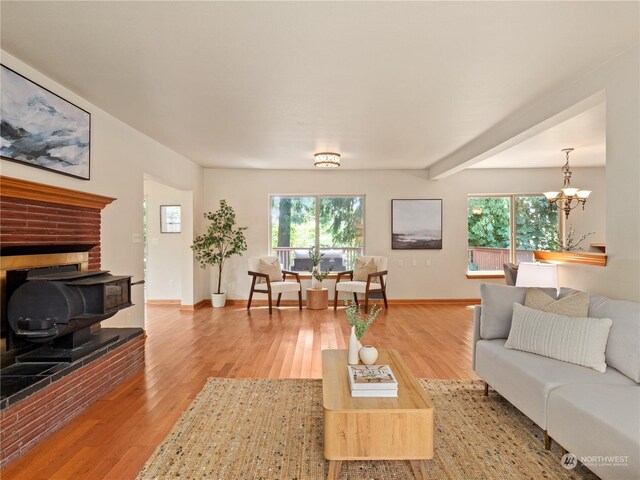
(300, 299)
(486, 389)
(355, 297)
(269, 295)
(253, 284)
(384, 297)
(547, 441)
(366, 303)
(335, 300)
(278, 301)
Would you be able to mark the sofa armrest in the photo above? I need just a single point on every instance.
(477, 310)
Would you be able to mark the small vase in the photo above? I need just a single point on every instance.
(368, 355)
(353, 358)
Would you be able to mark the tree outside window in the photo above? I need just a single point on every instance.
(508, 228)
(333, 224)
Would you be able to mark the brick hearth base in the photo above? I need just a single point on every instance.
(36, 417)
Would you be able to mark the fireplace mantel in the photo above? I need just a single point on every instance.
(26, 189)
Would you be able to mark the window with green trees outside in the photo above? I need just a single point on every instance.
(334, 224)
(508, 228)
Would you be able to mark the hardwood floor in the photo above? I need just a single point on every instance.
(116, 435)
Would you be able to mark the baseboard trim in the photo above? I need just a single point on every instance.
(434, 301)
(397, 301)
(162, 302)
(200, 304)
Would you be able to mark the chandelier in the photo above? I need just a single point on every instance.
(569, 197)
(327, 160)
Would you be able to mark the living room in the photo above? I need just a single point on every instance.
(430, 101)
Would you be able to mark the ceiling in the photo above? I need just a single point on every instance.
(585, 133)
(390, 85)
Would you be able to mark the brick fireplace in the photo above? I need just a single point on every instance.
(46, 226)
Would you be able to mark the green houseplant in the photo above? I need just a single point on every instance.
(221, 241)
(316, 272)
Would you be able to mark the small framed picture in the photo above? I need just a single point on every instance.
(416, 224)
(170, 219)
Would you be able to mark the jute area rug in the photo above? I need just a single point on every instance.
(272, 429)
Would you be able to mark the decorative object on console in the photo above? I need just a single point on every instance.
(372, 381)
(359, 323)
(368, 354)
(570, 244)
(42, 129)
(537, 275)
(416, 224)
(221, 241)
(327, 160)
(569, 197)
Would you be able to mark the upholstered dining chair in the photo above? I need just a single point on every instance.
(367, 277)
(268, 277)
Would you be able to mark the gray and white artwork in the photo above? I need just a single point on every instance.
(42, 129)
(416, 224)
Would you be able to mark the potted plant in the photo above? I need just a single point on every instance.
(360, 323)
(221, 241)
(317, 273)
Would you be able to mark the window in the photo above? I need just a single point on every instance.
(508, 228)
(333, 224)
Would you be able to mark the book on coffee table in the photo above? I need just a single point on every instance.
(371, 377)
(374, 393)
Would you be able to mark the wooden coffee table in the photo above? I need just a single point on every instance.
(375, 428)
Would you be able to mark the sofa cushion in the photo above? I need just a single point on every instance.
(575, 305)
(577, 340)
(623, 346)
(525, 379)
(497, 308)
(598, 421)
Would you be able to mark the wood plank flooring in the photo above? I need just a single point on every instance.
(116, 435)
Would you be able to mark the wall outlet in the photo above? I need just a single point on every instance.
(172, 283)
(136, 238)
(401, 263)
(427, 262)
(155, 241)
(414, 262)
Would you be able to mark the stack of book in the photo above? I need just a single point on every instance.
(372, 381)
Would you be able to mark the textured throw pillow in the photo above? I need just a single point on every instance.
(578, 340)
(362, 269)
(497, 308)
(575, 305)
(271, 269)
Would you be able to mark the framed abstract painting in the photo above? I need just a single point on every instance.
(42, 129)
(416, 224)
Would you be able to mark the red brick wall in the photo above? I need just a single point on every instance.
(38, 416)
(31, 222)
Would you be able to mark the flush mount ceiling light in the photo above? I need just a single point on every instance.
(327, 160)
(568, 198)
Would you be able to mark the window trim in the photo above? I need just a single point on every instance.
(512, 230)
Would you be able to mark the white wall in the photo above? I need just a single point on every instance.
(164, 261)
(248, 192)
(120, 155)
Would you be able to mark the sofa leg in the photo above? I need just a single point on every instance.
(564, 451)
(547, 441)
(486, 389)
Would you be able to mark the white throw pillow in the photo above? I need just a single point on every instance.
(271, 269)
(578, 340)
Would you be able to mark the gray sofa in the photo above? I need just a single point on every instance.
(595, 416)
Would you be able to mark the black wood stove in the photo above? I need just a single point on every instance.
(58, 309)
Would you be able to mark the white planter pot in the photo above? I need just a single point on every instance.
(352, 354)
(218, 299)
(368, 355)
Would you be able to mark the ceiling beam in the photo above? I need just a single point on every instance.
(548, 112)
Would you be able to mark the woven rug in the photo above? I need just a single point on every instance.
(272, 429)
